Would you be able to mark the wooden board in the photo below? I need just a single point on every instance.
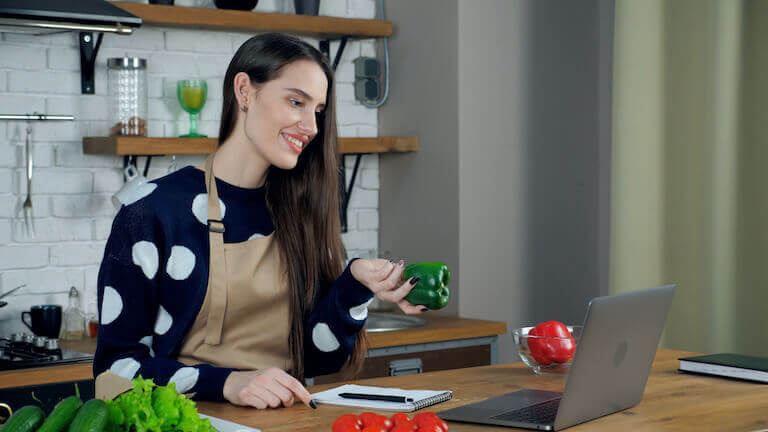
(127, 145)
(322, 27)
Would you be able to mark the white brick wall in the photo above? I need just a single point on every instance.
(72, 192)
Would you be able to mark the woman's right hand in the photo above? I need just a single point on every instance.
(266, 388)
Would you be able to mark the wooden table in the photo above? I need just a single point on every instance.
(673, 401)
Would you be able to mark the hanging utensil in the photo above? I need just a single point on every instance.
(27, 206)
(11, 291)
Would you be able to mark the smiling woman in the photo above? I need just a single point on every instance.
(233, 285)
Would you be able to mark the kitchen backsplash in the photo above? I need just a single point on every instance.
(72, 192)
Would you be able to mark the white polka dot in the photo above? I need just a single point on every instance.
(163, 322)
(138, 193)
(145, 255)
(147, 340)
(181, 263)
(111, 305)
(324, 339)
(360, 312)
(200, 208)
(126, 368)
(185, 378)
(257, 235)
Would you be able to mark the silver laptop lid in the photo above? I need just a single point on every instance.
(615, 353)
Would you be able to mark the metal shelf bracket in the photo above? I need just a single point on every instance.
(88, 52)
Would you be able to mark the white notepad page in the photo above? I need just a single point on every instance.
(421, 398)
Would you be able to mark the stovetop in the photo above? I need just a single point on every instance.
(22, 351)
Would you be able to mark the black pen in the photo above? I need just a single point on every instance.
(387, 398)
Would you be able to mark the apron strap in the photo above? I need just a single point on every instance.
(217, 272)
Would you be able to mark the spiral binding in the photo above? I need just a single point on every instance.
(436, 399)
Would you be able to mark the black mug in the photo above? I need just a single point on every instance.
(45, 320)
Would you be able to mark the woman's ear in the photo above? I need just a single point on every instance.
(242, 86)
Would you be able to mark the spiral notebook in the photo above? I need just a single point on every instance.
(421, 398)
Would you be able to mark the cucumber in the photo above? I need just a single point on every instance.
(62, 415)
(91, 417)
(25, 419)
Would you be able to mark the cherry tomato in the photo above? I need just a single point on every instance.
(375, 429)
(343, 423)
(424, 416)
(403, 428)
(406, 425)
(367, 418)
(381, 421)
(431, 427)
(399, 418)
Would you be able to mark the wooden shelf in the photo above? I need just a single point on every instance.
(143, 146)
(322, 27)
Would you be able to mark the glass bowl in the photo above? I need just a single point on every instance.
(560, 369)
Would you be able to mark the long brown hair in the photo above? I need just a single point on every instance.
(303, 201)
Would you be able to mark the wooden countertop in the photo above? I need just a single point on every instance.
(672, 401)
(437, 329)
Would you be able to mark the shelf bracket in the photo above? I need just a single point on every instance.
(88, 52)
(325, 48)
(346, 192)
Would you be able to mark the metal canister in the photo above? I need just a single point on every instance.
(128, 99)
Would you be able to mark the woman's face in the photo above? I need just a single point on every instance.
(282, 113)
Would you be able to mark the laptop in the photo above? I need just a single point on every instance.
(609, 371)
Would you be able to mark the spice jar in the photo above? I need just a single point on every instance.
(127, 78)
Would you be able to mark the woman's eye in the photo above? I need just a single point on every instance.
(295, 102)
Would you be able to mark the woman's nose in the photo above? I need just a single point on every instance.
(308, 123)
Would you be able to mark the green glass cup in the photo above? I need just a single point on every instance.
(192, 94)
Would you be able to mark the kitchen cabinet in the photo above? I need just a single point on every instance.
(443, 343)
(420, 362)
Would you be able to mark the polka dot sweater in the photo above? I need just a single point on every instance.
(154, 276)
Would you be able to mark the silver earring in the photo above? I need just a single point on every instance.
(244, 108)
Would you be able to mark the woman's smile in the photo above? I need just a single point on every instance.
(295, 142)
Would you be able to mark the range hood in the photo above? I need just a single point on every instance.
(54, 16)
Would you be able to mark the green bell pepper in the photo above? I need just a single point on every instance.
(431, 290)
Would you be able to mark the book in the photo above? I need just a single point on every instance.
(416, 399)
(728, 365)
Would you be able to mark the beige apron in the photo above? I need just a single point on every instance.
(243, 322)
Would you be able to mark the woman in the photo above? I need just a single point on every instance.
(233, 286)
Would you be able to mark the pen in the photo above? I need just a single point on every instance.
(387, 398)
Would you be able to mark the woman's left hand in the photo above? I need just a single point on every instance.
(385, 279)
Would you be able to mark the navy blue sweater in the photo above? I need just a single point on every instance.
(154, 276)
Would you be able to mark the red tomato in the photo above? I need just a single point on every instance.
(375, 429)
(381, 421)
(407, 424)
(367, 418)
(346, 422)
(403, 428)
(424, 417)
(348, 427)
(547, 350)
(399, 418)
(431, 427)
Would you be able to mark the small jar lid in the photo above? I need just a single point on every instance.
(127, 63)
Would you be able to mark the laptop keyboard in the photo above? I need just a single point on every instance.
(543, 413)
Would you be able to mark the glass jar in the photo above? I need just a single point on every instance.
(128, 105)
(73, 319)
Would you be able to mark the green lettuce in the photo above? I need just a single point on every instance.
(151, 408)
